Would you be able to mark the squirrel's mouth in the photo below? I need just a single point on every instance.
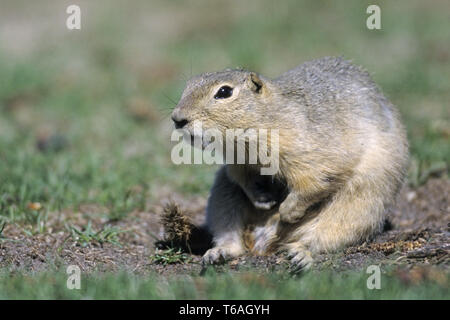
(197, 141)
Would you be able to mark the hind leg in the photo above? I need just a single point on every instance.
(352, 215)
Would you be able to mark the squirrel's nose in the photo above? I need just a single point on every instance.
(179, 124)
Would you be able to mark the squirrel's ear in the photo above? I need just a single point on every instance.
(255, 82)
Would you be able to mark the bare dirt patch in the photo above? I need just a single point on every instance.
(417, 236)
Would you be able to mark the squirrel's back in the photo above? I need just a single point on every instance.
(325, 73)
(333, 87)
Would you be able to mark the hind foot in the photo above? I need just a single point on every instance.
(300, 259)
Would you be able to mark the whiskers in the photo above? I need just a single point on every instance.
(166, 109)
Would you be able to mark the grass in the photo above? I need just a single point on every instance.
(84, 118)
(99, 133)
(216, 286)
(107, 234)
(169, 256)
(2, 227)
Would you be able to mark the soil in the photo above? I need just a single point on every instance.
(416, 237)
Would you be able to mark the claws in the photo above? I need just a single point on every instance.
(300, 261)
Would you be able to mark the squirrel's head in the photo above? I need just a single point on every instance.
(230, 99)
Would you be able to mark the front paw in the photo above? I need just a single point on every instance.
(217, 255)
(290, 211)
(291, 217)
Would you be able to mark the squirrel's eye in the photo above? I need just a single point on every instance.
(223, 92)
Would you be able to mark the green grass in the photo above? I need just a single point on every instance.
(98, 152)
(2, 227)
(80, 89)
(107, 234)
(170, 256)
(215, 286)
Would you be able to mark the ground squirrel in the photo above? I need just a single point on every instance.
(343, 154)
